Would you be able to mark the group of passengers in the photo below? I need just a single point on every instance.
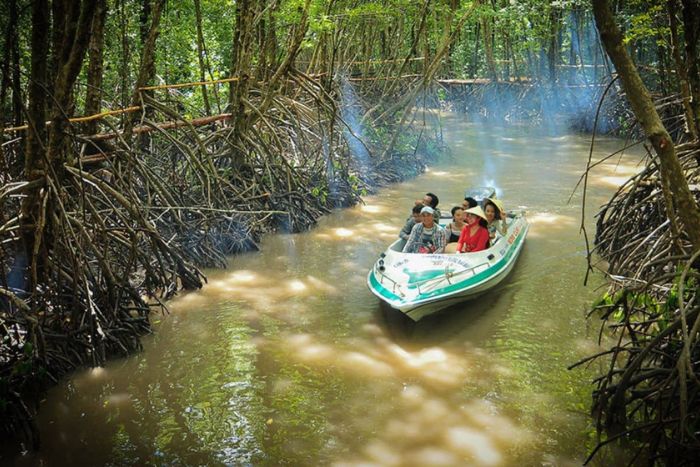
(472, 227)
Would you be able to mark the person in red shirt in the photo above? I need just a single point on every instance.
(475, 235)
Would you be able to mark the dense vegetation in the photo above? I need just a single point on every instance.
(218, 120)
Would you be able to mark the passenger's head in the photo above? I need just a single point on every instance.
(431, 199)
(415, 212)
(474, 215)
(457, 213)
(469, 202)
(426, 214)
(491, 210)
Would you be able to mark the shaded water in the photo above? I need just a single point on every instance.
(287, 359)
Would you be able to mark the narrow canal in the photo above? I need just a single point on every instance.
(286, 358)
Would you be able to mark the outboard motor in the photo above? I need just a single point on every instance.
(480, 193)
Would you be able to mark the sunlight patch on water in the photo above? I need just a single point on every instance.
(456, 175)
(612, 180)
(386, 228)
(543, 224)
(296, 286)
(322, 286)
(242, 276)
(382, 358)
(273, 293)
(551, 219)
(98, 372)
(468, 441)
(189, 301)
(342, 232)
(373, 208)
(543, 217)
(504, 155)
(435, 431)
(365, 364)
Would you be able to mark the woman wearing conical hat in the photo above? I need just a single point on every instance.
(475, 235)
(496, 217)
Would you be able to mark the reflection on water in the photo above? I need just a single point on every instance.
(286, 358)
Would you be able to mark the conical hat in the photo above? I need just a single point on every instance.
(497, 202)
(477, 211)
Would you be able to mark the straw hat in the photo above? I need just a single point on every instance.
(497, 202)
(477, 211)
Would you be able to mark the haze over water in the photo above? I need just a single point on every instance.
(287, 359)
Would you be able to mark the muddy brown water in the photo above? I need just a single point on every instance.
(286, 358)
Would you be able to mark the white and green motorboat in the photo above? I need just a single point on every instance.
(421, 284)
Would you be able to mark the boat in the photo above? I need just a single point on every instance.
(419, 285)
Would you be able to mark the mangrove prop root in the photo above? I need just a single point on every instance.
(649, 392)
(131, 219)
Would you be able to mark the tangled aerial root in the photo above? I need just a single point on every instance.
(131, 219)
(650, 393)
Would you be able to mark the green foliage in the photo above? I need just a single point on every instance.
(320, 192)
(648, 24)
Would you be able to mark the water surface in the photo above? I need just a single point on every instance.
(287, 359)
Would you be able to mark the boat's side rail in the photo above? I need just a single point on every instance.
(395, 284)
(433, 281)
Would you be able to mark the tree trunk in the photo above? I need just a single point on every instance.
(147, 63)
(488, 47)
(149, 29)
(144, 17)
(553, 50)
(454, 6)
(475, 58)
(201, 51)
(34, 160)
(270, 50)
(672, 176)
(6, 80)
(242, 43)
(76, 35)
(36, 111)
(412, 53)
(93, 96)
(125, 56)
(691, 30)
(507, 52)
(11, 68)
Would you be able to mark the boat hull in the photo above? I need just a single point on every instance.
(419, 285)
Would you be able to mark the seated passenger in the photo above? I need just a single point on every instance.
(410, 222)
(454, 229)
(496, 217)
(426, 237)
(475, 235)
(469, 202)
(431, 200)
